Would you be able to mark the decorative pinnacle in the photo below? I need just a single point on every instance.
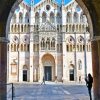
(32, 2)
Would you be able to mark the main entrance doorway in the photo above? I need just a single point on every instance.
(24, 75)
(47, 73)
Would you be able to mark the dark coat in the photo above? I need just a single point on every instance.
(89, 81)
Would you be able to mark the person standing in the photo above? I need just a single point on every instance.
(89, 81)
(43, 82)
(79, 79)
(56, 79)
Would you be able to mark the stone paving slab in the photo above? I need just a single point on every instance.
(50, 91)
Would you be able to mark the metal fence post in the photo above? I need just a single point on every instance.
(12, 91)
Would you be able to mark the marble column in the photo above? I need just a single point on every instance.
(96, 68)
(3, 67)
(64, 78)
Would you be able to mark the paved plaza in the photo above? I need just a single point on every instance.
(50, 91)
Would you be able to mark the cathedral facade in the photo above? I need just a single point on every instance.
(51, 40)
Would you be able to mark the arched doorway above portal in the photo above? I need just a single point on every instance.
(47, 67)
(25, 73)
(71, 72)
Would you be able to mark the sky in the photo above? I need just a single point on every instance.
(36, 1)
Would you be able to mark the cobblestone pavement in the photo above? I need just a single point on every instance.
(50, 91)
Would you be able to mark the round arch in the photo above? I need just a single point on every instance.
(48, 67)
(4, 35)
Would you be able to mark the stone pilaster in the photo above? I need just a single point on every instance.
(96, 68)
(31, 55)
(3, 67)
(64, 78)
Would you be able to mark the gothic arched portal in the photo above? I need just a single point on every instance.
(48, 69)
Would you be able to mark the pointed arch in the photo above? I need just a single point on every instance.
(44, 16)
(75, 17)
(37, 18)
(20, 17)
(81, 18)
(13, 20)
(69, 17)
(52, 17)
(48, 43)
(58, 18)
(53, 44)
(26, 17)
(43, 44)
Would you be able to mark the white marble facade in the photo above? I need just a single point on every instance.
(51, 40)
